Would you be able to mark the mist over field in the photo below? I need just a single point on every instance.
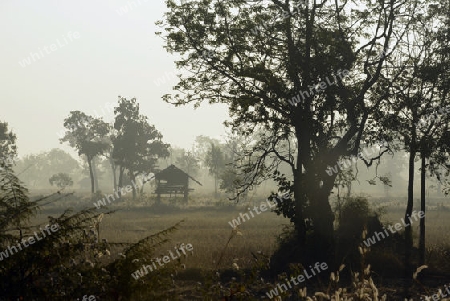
(225, 150)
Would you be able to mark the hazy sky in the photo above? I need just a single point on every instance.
(60, 56)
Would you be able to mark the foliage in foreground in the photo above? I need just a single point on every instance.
(256, 283)
(249, 284)
(71, 262)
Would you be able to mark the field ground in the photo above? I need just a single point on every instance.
(207, 228)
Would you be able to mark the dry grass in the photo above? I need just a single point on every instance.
(207, 229)
(437, 225)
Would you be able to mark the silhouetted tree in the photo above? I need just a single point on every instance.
(433, 73)
(415, 97)
(137, 144)
(310, 77)
(88, 135)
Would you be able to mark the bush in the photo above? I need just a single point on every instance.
(71, 262)
(354, 216)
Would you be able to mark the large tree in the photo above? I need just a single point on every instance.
(88, 135)
(309, 80)
(137, 145)
(435, 127)
(417, 103)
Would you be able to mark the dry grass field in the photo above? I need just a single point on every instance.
(207, 228)
(437, 225)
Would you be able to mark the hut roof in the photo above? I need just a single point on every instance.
(172, 172)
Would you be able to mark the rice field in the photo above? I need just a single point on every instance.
(207, 228)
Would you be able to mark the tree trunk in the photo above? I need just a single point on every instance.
(91, 174)
(141, 190)
(422, 208)
(409, 207)
(215, 186)
(158, 196)
(349, 189)
(300, 198)
(439, 189)
(323, 221)
(307, 187)
(113, 169)
(94, 170)
(133, 180)
(121, 170)
(313, 187)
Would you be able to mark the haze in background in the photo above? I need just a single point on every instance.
(116, 53)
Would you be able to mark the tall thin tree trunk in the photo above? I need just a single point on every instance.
(422, 208)
(121, 170)
(133, 180)
(91, 174)
(409, 207)
(113, 169)
(94, 170)
(215, 186)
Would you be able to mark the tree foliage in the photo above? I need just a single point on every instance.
(8, 148)
(88, 135)
(215, 162)
(188, 162)
(61, 180)
(73, 261)
(36, 169)
(312, 81)
(137, 145)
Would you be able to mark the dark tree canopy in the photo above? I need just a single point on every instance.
(88, 135)
(311, 80)
(137, 145)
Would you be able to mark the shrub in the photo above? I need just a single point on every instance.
(61, 180)
(354, 216)
(71, 262)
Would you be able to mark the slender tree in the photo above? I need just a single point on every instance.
(88, 135)
(216, 163)
(435, 127)
(414, 100)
